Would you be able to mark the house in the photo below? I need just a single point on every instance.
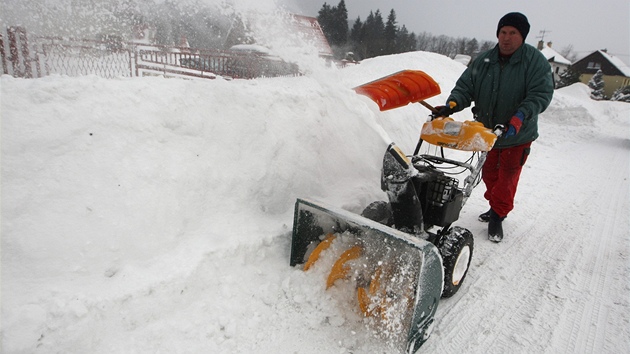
(558, 62)
(309, 29)
(616, 72)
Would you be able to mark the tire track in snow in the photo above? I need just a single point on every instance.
(543, 257)
(594, 325)
(518, 300)
(548, 249)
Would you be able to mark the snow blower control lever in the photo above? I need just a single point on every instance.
(499, 129)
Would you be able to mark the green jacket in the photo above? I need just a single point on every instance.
(524, 83)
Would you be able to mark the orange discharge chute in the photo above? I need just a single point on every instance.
(400, 89)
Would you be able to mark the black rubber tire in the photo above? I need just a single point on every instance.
(379, 211)
(456, 249)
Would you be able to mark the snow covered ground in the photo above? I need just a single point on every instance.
(153, 215)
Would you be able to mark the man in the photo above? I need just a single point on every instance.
(510, 85)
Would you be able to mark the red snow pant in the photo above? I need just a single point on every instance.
(500, 173)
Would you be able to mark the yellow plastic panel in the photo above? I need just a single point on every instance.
(465, 136)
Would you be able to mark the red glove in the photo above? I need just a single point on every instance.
(515, 123)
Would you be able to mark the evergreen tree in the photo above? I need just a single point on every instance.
(621, 94)
(334, 23)
(567, 77)
(374, 34)
(356, 30)
(406, 41)
(368, 35)
(390, 34)
(340, 26)
(596, 84)
(325, 19)
(357, 37)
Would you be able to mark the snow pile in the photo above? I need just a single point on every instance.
(154, 215)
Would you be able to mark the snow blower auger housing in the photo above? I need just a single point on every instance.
(398, 276)
(402, 255)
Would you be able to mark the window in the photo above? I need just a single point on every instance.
(594, 65)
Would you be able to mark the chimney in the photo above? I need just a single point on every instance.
(183, 44)
(549, 44)
(541, 45)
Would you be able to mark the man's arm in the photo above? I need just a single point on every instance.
(539, 87)
(463, 91)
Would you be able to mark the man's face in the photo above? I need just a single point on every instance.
(510, 40)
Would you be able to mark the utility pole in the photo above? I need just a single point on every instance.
(541, 42)
(542, 34)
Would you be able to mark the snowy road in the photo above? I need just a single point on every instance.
(556, 283)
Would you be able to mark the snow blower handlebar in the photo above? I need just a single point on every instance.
(499, 129)
(433, 110)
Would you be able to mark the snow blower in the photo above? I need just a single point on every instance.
(402, 255)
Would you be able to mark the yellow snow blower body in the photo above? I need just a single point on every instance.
(464, 136)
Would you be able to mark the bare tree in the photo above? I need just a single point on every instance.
(423, 41)
(568, 53)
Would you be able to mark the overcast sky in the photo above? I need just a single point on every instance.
(587, 25)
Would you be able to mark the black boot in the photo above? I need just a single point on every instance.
(485, 217)
(495, 229)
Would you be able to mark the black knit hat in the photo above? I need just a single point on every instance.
(516, 20)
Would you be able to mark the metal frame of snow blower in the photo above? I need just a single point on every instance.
(440, 163)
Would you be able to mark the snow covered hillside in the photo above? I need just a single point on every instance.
(153, 215)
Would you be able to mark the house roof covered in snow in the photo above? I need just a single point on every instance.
(600, 59)
(310, 28)
(553, 56)
(623, 67)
